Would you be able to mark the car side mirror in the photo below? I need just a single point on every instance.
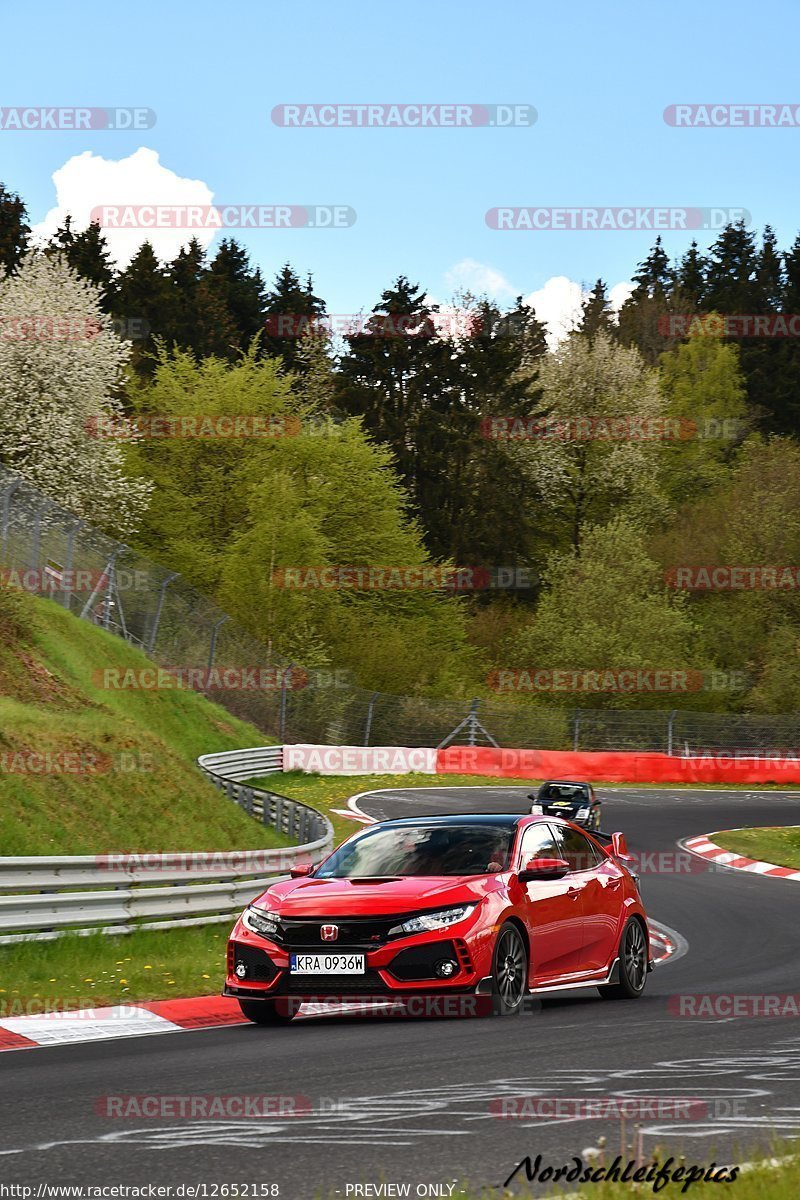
(300, 871)
(543, 868)
(619, 847)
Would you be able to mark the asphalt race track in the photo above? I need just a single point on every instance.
(404, 1100)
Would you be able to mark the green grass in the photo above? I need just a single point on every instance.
(773, 845)
(139, 787)
(144, 965)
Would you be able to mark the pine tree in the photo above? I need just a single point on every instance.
(690, 281)
(238, 289)
(290, 299)
(14, 230)
(597, 315)
(732, 265)
(200, 321)
(769, 275)
(144, 294)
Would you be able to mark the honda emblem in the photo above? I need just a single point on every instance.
(329, 933)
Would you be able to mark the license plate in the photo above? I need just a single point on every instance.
(327, 964)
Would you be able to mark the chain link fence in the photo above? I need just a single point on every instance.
(48, 549)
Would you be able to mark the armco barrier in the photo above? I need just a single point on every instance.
(118, 892)
(609, 766)
(616, 766)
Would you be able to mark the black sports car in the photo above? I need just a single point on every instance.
(567, 798)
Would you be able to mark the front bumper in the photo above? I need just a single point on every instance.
(259, 968)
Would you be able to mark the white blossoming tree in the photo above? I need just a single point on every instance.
(597, 450)
(61, 367)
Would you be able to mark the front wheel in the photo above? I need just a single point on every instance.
(632, 965)
(267, 1012)
(509, 972)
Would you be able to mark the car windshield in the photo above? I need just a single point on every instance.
(422, 850)
(564, 791)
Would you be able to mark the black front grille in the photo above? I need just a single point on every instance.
(258, 963)
(369, 983)
(361, 932)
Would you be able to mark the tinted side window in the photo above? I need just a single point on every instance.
(539, 841)
(577, 850)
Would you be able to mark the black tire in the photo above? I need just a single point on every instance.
(267, 1012)
(632, 965)
(509, 972)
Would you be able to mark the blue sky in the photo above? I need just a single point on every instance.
(599, 75)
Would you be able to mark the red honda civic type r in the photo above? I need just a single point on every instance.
(491, 906)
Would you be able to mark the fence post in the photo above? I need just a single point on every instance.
(36, 540)
(8, 492)
(473, 721)
(66, 591)
(282, 716)
(670, 725)
(576, 732)
(151, 641)
(212, 649)
(108, 574)
(370, 711)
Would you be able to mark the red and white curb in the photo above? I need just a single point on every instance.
(703, 847)
(68, 1027)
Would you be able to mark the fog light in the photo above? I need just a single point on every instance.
(445, 968)
(241, 970)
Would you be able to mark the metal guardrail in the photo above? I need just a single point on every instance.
(44, 902)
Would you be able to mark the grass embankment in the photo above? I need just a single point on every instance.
(772, 844)
(88, 770)
(115, 768)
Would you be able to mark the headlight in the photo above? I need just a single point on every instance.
(260, 920)
(583, 812)
(435, 920)
(537, 810)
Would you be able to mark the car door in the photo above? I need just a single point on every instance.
(553, 910)
(603, 893)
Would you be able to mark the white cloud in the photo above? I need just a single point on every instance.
(558, 304)
(619, 294)
(87, 181)
(480, 279)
